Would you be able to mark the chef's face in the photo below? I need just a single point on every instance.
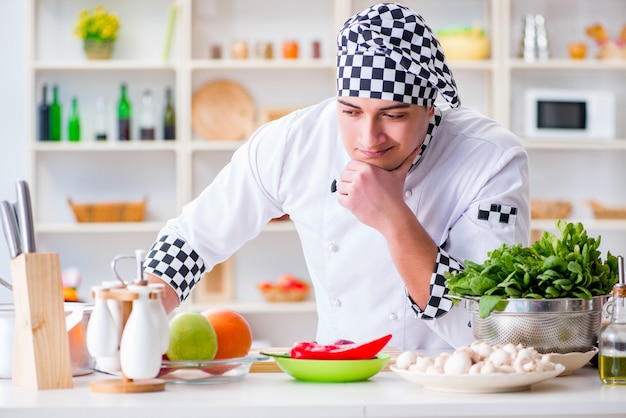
(381, 132)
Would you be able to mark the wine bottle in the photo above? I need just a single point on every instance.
(100, 121)
(146, 123)
(124, 113)
(169, 117)
(73, 128)
(55, 115)
(44, 116)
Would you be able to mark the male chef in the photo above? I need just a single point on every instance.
(387, 191)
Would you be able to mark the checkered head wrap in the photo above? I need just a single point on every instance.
(388, 52)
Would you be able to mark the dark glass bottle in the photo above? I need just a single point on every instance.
(169, 117)
(73, 128)
(147, 126)
(44, 115)
(55, 115)
(124, 113)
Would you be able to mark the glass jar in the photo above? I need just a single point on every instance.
(612, 340)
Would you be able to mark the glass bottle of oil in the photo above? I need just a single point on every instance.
(612, 341)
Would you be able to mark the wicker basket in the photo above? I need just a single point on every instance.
(550, 209)
(602, 212)
(278, 295)
(109, 211)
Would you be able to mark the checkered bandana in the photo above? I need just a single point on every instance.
(388, 52)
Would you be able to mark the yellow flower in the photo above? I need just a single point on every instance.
(99, 25)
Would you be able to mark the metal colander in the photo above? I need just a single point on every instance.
(549, 325)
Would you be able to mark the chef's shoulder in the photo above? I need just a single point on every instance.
(468, 125)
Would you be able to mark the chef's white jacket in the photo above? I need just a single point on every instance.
(472, 172)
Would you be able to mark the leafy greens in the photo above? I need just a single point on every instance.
(566, 267)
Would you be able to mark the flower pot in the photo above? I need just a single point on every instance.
(97, 49)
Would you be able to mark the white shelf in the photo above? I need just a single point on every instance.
(255, 307)
(582, 145)
(113, 65)
(590, 224)
(89, 228)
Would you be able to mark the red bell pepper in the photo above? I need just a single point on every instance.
(311, 350)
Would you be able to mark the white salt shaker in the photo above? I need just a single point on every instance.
(140, 350)
(160, 317)
(102, 334)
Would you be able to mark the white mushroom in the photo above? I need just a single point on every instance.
(405, 359)
(500, 357)
(457, 363)
(476, 368)
(441, 360)
(488, 368)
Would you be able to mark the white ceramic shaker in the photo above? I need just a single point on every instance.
(102, 334)
(111, 364)
(160, 317)
(140, 350)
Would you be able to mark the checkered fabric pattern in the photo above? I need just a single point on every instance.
(388, 52)
(438, 304)
(497, 213)
(176, 262)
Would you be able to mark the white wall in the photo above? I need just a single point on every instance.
(12, 113)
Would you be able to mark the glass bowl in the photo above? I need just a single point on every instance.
(207, 372)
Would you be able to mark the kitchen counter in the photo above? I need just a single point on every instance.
(277, 395)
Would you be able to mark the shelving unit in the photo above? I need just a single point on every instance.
(173, 173)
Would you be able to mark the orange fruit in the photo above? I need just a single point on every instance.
(234, 335)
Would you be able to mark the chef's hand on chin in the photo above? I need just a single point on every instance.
(374, 195)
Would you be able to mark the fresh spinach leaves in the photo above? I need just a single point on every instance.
(567, 267)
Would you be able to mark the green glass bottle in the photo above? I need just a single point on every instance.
(55, 115)
(169, 117)
(124, 112)
(73, 127)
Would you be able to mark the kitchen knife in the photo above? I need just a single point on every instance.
(24, 211)
(9, 226)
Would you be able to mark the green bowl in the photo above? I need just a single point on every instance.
(332, 371)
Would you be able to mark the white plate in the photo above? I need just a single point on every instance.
(478, 383)
(573, 361)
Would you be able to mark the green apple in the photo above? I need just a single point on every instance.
(192, 337)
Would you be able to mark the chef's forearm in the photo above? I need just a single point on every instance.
(414, 254)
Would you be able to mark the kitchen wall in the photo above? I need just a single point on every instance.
(12, 102)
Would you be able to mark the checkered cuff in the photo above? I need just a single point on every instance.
(173, 260)
(438, 305)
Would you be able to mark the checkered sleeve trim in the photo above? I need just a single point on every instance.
(497, 213)
(174, 261)
(438, 305)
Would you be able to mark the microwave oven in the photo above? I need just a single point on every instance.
(569, 114)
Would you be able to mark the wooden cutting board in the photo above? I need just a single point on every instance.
(270, 366)
(223, 110)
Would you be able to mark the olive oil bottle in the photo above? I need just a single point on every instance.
(612, 341)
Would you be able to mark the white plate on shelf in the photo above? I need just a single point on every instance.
(478, 383)
(573, 361)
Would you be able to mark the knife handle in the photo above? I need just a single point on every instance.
(25, 217)
(9, 226)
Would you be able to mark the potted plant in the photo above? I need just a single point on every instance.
(98, 30)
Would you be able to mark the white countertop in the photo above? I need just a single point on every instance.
(277, 395)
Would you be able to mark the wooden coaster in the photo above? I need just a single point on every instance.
(127, 385)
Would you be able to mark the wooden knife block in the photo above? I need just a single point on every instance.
(41, 355)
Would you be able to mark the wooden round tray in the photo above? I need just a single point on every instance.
(223, 110)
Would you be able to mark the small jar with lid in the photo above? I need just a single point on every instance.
(612, 340)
